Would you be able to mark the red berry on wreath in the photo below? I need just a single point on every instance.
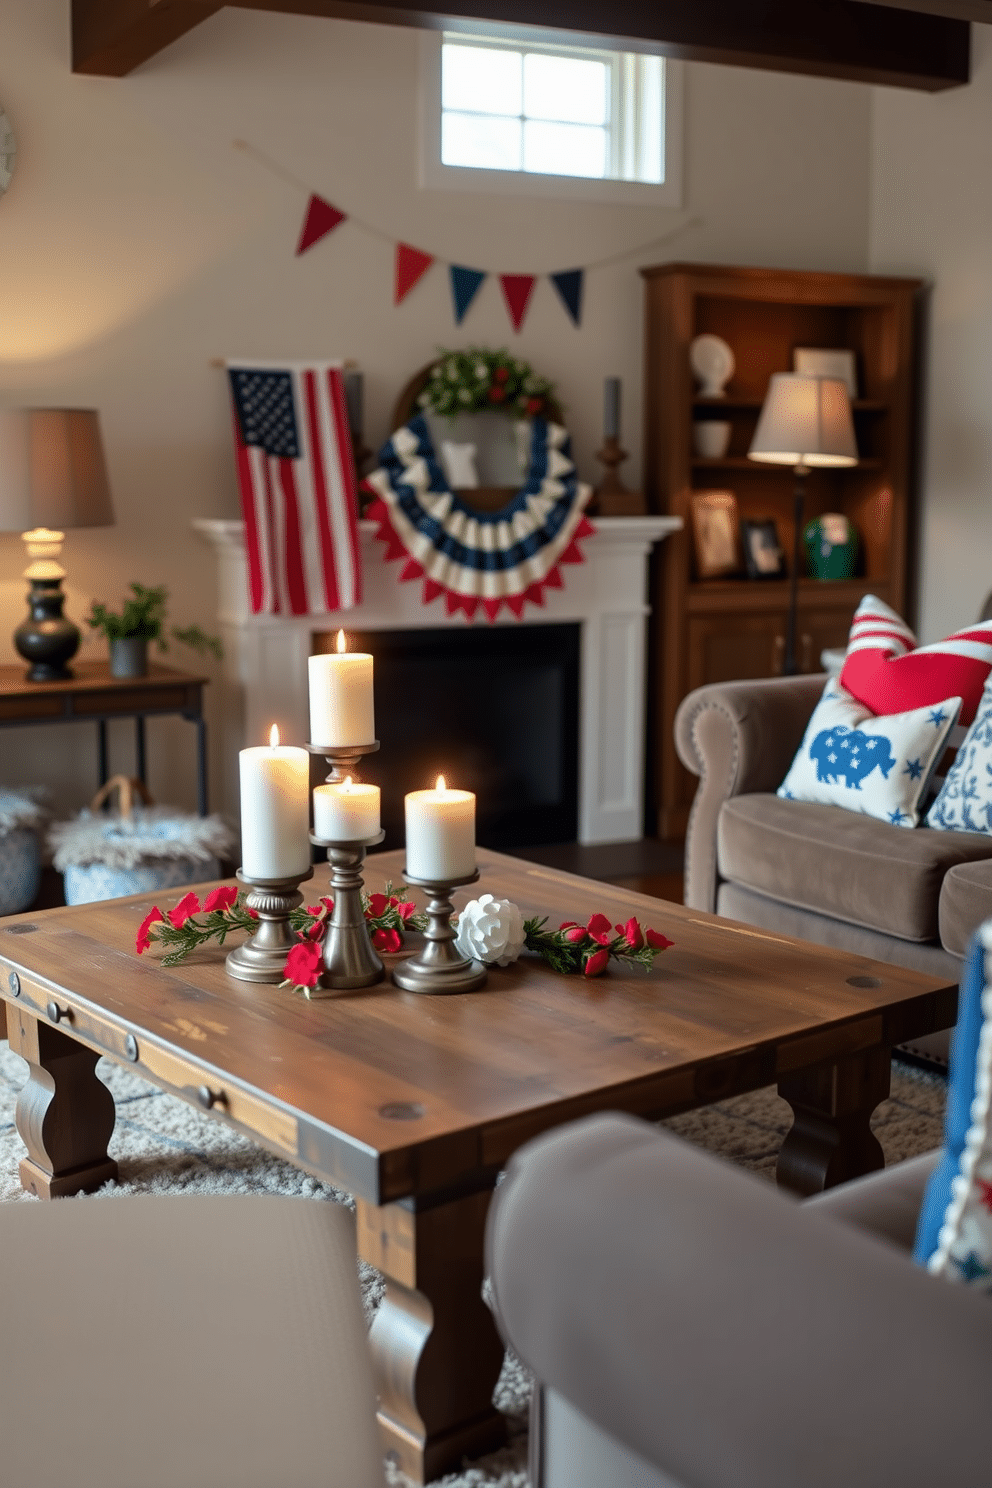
(501, 374)
(534, 405)
(496, 395)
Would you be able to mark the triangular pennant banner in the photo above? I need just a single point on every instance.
(569, 286)
(411, 265)
(321, 219)
(464, 287)
(517, 290)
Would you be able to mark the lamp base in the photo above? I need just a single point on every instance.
(47, 639)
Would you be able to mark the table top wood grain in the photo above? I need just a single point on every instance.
(393, 1094)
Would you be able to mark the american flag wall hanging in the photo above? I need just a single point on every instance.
(296, 476)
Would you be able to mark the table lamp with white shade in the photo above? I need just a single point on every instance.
(53, 476)
(805, 422)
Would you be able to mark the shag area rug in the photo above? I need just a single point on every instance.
(161, 1144)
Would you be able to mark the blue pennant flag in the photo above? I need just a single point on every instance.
(464, 287)
(569, 286)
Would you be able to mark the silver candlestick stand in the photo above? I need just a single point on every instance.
(350, 958)
(440, 968)
(263, 957)
(343, 758)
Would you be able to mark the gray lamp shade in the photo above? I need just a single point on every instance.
(52, 470)
(805, 421)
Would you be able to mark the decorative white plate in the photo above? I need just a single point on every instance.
(712, 360)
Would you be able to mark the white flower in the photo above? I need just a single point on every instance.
(452, 371)
(465, 395)
(490, 930)
(424, 399)
(481, 371)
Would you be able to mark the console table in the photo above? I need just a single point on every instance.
(93, 695)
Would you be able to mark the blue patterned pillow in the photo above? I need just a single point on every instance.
(954, 1234)
(965, 800)
(878, 766)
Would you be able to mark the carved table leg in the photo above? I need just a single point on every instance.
(435, 1348)
(831, 1140)
(65, 1115)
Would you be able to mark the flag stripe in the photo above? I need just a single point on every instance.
(309, 472)
(341, 513)
(349, 480)
(249, 510)
(293, 550)
(327, 547)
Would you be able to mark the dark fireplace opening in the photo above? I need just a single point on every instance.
(495, 710)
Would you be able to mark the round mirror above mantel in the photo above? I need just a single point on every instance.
(499, 442)
(8, 150)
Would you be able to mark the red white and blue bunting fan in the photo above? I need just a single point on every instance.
(487, 559)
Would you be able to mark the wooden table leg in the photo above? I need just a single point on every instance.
(831, 1140)
(65, 1115)
(435, 1348)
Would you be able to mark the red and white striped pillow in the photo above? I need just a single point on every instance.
(887, 672)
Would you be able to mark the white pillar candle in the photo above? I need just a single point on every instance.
(440, 833)
(341, 706)
(347, 811)
(275, 815)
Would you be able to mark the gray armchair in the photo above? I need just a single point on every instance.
(817, 872)
(690, 1326)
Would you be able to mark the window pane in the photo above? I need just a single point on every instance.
(564, 149)
(479, 78)
(481, 140)
(571, 89)
(652, 120)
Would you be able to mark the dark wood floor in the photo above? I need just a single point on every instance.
(648, 867)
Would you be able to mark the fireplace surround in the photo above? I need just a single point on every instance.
(265, 676)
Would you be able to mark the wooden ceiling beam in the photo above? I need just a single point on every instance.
(871, 43)
(113, 37)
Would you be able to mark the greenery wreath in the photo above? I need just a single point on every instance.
(476, 380)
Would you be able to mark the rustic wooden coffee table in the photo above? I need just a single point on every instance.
(413, 1104)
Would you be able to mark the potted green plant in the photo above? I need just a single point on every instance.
(143, 619)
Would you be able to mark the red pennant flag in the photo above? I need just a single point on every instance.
(411, 265)
(517, 290)
(321, 219)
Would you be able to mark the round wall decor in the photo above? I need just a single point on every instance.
(8, 149)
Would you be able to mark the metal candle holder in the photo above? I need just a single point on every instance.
(350, 959)
(343, 758)
(263, 957)
(440, 968)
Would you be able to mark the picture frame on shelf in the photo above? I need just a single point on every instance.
(763, 554)
(823, 361)
(716, 533)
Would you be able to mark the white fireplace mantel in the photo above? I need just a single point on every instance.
(607, 595)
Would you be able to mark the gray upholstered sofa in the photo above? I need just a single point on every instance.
(690, 1326)
(816, 872)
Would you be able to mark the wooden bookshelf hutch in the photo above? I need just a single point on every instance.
(715, 630)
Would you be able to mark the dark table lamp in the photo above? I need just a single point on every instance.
(53, 476)
(805, 422)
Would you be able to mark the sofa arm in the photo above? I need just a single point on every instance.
(726, 1334)
(737, 737)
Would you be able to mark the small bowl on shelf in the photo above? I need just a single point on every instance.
(711, 438)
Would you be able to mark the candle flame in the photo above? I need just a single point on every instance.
(274, 736)
(347, 788)
(342, 643)
(440, 784)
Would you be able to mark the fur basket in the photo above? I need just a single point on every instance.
(138, 850)
(21, 817)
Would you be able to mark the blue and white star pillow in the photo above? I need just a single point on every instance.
(877, 765)
(965, 800)
(954, 1234)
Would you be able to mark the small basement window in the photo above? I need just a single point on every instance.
(512, 110)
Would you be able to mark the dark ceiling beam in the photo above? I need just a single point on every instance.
(851, 39)
(113, 37)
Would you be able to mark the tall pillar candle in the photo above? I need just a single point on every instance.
(341, 701)
(440, 834)
(275, 810)
(611, 408)
(346, 812)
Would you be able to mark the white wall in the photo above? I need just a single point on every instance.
(932, 215)
(136, 244)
